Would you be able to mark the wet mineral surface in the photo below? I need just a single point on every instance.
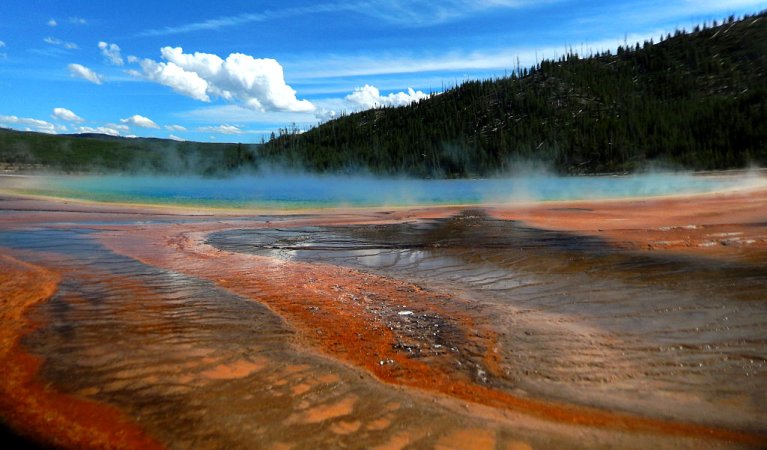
(446, 328)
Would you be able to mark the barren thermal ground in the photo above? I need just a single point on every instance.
(629, 323)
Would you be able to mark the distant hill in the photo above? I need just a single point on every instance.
(28, 151)
(696, 100)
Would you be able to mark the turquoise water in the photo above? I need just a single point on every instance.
(283, 191)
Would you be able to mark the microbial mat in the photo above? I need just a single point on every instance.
(575, 313)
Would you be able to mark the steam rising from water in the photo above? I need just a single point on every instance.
(297, 191)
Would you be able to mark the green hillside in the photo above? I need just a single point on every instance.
(696, 100)
(29, 151)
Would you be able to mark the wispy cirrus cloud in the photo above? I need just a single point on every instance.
(59, 43)
(415, 13)
(335, 66)
(243, 19)
(397, 12)
(241, 115)
(718, 5)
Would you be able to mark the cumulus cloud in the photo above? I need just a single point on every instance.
(110, 131)
(368, 96)
(80, 71)
(140, 121)
(77, 21)
(66, 115)
(176, 138)
(173, 76)
(52, 23)
(59, 43)
(29, 124)
(221, 129)
(175, 128)
(112, 53)
(324, 114)
(256, 83)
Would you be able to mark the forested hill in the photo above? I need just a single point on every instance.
(696, 100)
(83, 153)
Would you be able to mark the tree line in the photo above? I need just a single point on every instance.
(694, 100)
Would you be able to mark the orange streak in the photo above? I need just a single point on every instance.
(308, 296)
(32, 408)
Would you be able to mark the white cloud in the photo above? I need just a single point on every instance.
(258, 84)
(173, 76)
(175, 128)
(59, 43)
(31, 124)
(370, 97)
(112, 53)
(77, 21)
(66, 114)
(140, 121)
(244, 19)
(222, 129)
(718, 5)
(229, 113)
(2, 44)
(413, 13)
(99, 130)
(119, 127)
(52, 23)
(324, 114)
(397, 12)
(176, 138)
(80, 71)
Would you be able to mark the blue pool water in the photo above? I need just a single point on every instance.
(305, 191)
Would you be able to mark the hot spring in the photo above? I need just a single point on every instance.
(281, 191)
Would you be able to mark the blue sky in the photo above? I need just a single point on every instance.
(235, 71)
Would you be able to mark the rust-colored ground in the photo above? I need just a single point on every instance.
(29, 406)
(335, 310)
(713, 224)
(340, 312)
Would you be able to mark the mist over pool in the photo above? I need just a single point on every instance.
(315, 191)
